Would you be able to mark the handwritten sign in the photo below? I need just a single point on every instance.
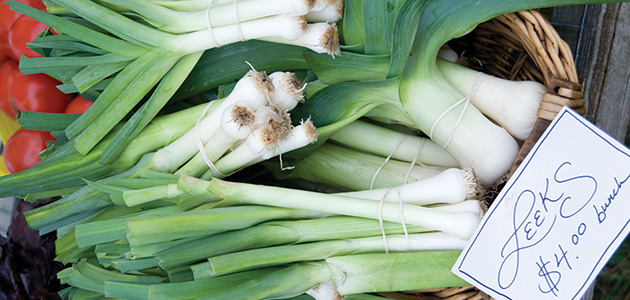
(558, 219)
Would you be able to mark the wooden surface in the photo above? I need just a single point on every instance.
(600, 38)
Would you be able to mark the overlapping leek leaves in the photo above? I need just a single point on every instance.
(169, 232)
(126, 61)
(427, 100)
(216, 67)
(426, 94)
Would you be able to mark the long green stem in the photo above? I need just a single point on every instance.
(459, 224)
(98, 232)
(180, 290)
(124, 102)
(367, 273)
(143, 230)
(163, 93)
(45, 64)
(402, 146)
(278, 255)
(354, 170)
(287, 282)
(277, 233)
(89, 36)
(67, 168)
(117, 24)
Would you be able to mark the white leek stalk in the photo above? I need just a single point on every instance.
(254, 86)
(319, 5)
(236, 122)
(281, 26)
(253, 146)
(512, 104)
(298, 137)
(458, 126)
(451, 186)
(320, 37)
(385, 142)
(261, 145)
(217, 14)
(354, 170)
(288, 91)
(331, 11)
(460, 224)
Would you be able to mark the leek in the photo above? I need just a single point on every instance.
(169, 230)
(180, 290)
(460, 224)
(276, 233)
(59, 166)
(464, 132)
(271, 256)
(408, 147)
(289, 281)
(450, 186)
(354, 170)
(151, 54)
(512, 104)
(366, 273)
(150, 229)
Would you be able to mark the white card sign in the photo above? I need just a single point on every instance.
(558, 219)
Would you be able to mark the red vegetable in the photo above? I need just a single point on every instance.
(22, 150)
(7, 17)
(4, 52)
(38, 93)
(7, 71)
(24, 30)
(78, 105)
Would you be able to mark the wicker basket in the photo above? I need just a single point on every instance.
(517, 46)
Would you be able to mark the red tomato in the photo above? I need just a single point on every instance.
(78, 105)
(23, 31)
(7, 71)
(7, 16)
(22, 150)
(4, 53)
(38, 93)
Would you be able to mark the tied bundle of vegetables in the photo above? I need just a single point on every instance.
(211, 231)
(233, 135)
(154, 48)
(172, 222)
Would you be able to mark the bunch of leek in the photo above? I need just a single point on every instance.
(200, 87)
(271, 135)
(240, 229)
(131, 56)
(147, 233)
